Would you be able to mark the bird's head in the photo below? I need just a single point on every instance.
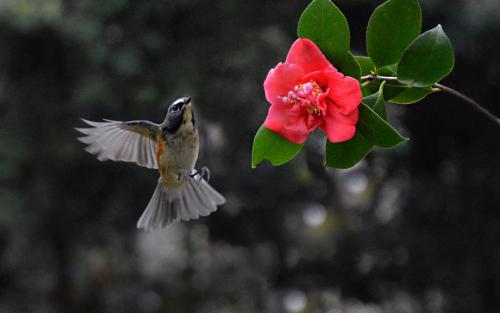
(179, 112)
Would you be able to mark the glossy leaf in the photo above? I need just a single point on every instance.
(370, 87)
(376, 129)
(268, 145)
(427, 60)
(388, 70)
(326, 25)
(348, 153)
(405, 94)
(351, 67)
(391, 28)
(376, 102)
(366, 65)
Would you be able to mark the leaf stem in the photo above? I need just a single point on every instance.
(444, 89)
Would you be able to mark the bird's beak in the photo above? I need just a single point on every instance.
(188, 110)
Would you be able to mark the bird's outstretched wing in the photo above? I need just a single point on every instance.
(132, 141)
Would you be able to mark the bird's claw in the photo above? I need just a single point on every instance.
(204, 172)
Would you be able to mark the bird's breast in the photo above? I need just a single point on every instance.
(177, 153)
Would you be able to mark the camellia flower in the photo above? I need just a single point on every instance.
(307, 92)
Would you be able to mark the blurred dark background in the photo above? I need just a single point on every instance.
(416, 229)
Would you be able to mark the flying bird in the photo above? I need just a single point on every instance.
(172, 147)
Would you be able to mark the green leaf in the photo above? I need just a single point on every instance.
(326, 25)
(376, 102)
(388, 70)
(268, 145)
(370, 88)
(391, 28)
(376, 129)
(351, 67)
(410, 95)
(366, 64)
(372, 129)
(368, 68)
(346, 154)
(427, 60)
(405, 94)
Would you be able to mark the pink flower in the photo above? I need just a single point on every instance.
(307, 92)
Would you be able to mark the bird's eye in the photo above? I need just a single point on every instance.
(175, 108)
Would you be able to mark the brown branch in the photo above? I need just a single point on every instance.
(446, 90)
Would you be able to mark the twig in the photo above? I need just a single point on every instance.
(444, 89)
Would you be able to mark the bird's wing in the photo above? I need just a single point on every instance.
(132, 141)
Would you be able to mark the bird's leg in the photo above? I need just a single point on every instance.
(203, 172)
(184, 174)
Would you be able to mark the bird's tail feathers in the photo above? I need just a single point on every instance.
(189, 201)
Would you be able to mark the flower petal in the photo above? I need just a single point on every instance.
(313, 122)
(291, 125)
(296, 129)
(344, 91)
(307, 55)
(340, 127)
(322, 78)
(280, 80)
(276, 118)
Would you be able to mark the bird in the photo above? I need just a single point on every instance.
(182, 192)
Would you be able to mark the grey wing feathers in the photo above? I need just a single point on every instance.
(133, 141)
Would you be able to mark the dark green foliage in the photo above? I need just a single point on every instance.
(272, 147)
(348, 153)
(391, 28)
(427, 60)
(372, 129)
(326, 25)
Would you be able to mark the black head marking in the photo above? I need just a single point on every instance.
(174, 118)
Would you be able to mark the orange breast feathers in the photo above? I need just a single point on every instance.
(160, 151)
